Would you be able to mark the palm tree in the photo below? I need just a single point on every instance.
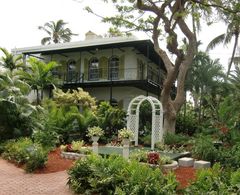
(39, 76)
(10, 61)
(57, 32)
(233, 31)
(204, 77)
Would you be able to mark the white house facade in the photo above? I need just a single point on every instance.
(113, 69)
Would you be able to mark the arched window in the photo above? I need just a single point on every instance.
(113, 68)
(94, 69)
(71, 69)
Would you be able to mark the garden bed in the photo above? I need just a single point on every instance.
(56, 163)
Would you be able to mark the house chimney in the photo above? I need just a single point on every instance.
(91, 35)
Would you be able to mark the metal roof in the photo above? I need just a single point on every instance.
(145, 46)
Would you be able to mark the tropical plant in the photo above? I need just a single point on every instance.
(95, 131)
(125, 133)
(74, 98)
(24, 151)
(60, 119)
(10, 61)
(110, 119)
(17, 116)
(231, 19)
(115, 175)
(39, 75)
(209, 181)
(204, 149)
(57, 32)
(205, 78)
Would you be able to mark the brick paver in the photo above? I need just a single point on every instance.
(14, 181)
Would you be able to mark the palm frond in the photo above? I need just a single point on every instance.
(216, 41)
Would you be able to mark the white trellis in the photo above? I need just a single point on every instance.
(157, 118)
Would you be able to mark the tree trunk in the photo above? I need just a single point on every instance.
(169, 123)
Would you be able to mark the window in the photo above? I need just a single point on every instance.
(94, 69)
(71, 70)
(113, 68)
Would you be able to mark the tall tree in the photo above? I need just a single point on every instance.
(167, 20)
(10, 61)
(39, 76)
(232, 20)
(57, 32)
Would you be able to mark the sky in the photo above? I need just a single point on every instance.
(19, 20)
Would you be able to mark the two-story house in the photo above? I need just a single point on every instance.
(115, 69)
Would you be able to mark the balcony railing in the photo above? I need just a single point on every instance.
(108, 75)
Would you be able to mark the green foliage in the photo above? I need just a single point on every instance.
(39, 75)
(24, 151)
(175, 139)
(10, 61)
(230, 157)
(57, 32)
(111, 119)
(115, 175)
(125, 133)
(48, 139)
(37, 158)
(95, 131)
(209, 181)
(186, 124)
(139, 156)
(74, 98)
(17, 116)
(204, 149)
(60, 120)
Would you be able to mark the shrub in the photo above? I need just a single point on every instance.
(48, 139)
(115, 175)
(175, 139)
(24, 151)
(230, 157)
(139, 155)
(186, 125)
(214, 181)
(204, 149)
(37, 158)
(110, 119)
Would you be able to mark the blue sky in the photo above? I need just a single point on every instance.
(20, 20)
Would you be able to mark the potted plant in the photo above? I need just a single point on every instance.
(95, 132)
(125, 134)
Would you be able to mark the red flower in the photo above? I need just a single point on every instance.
(69, 148)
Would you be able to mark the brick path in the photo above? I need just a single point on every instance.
(14, 181)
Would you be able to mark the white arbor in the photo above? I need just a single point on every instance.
(157, 118)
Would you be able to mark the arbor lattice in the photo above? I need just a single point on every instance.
(157, 118)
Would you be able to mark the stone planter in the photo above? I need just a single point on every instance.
(72, 155)
(95, 138)
(126, 141)
(170, 167)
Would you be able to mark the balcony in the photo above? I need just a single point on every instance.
(103, 77)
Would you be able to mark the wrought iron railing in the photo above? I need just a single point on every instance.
(108, 75)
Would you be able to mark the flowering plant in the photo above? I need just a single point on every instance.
(153, 157)
(95, 131)
(125, 133)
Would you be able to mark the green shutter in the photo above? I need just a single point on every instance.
(103, 66)
(86, 63)
(121, 67)
(78, 65)
(138, 68)
(63, 67)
